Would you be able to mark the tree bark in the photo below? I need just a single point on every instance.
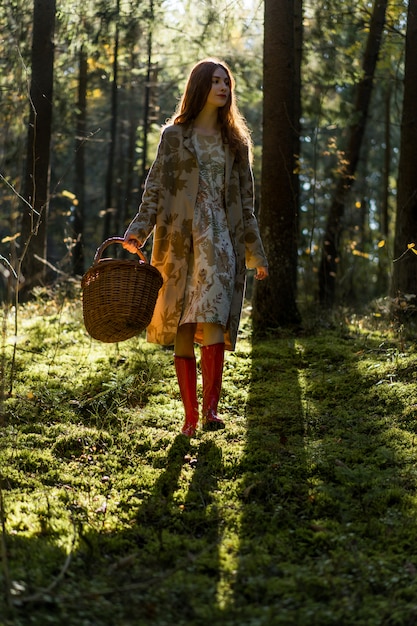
(79, 186)
(109, 221)
(404, 280)
(334, 226)
(132, 186)
(274, 300)
(384, 263)
(146, 106)
(37, 173)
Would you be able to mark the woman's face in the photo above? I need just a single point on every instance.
(220, 89)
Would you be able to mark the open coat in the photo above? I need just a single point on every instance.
(167, 210)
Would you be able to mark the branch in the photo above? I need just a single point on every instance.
(39, 595)
(18, 194)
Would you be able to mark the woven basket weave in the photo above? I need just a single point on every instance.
(119, 295)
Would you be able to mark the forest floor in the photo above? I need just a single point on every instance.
(302, 511)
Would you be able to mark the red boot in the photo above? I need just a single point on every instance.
(212, 360)
(186, 370)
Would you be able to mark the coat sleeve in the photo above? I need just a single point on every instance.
(144, 221)
(254, 250)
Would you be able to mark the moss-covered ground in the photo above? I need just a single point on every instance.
(303, 511)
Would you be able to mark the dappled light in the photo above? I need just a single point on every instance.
(303, 506)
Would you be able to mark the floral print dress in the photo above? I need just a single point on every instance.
(167, 212)
(212, 265)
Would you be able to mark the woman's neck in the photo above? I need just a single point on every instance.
(207, 121)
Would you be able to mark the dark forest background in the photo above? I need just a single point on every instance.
(328, 90)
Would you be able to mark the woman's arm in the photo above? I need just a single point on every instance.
(144, 221)
(255, 253)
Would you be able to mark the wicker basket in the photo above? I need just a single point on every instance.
(119, 295)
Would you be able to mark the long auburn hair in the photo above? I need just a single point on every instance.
(233, 125)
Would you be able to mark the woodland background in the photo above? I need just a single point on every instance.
(327, 89)
(303, 510)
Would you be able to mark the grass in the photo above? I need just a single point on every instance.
(303, 511)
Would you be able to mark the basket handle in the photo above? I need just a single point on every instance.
(108, 243)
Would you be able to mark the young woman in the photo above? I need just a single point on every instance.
(198, 202)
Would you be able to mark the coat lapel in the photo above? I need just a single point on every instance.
(188, 143)
(229, 160)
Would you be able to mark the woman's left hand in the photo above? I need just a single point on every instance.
(131, 244)
(261, 273)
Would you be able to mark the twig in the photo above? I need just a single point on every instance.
(39, 595)
(50, 265)
(402, 255)
(145, 584)
(18, 194)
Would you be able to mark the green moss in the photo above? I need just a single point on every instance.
(302, 511)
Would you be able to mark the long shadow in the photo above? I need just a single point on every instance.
(325, 511)
(165, 565)
(182, 534)
(274, 496)
(363, 487)
(330, 492)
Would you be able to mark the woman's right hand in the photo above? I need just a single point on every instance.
(131, 244)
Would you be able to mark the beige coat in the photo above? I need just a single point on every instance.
(167, 210)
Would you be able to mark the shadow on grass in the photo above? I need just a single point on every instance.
(329, 524)
(182, 537)
(274, 496)
(362, 487)
(302, 511)
(167, 564)
(145, 574)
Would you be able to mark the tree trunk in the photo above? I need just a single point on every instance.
(147, 100)
(274, 300)
(37, 174)
(331, 239)
(404, 280)
(79, 207)
(384, 263)
(132, 188)
(298, 57)
(109, 222)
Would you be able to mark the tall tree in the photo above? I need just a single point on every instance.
(274, 300)
(132, 173)
(36, 187)
(383, 261)
(147, 93)
(404, 279)
(334, 226)
(79, 184)
(109, 221)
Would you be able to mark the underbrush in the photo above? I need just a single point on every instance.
(302, 511)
